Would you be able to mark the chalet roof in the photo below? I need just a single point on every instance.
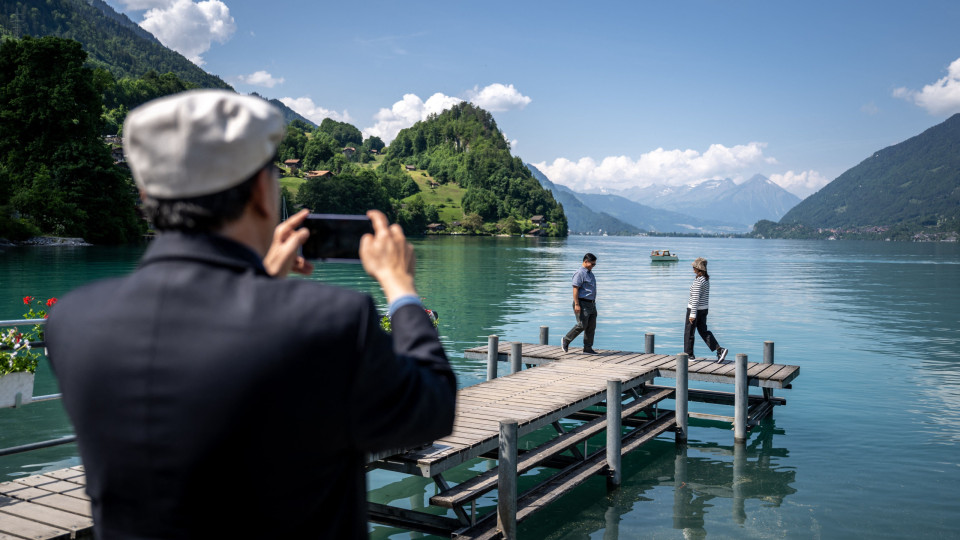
(291, 162)
(318, 173)
(537, 218)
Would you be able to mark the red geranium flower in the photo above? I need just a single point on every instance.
(27, 299)
(51, 302)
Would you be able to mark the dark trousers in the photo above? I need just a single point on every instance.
(701, 325)
(586, 323)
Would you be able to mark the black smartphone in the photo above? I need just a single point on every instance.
(335, 237)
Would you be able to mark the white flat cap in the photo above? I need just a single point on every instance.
(199, 142)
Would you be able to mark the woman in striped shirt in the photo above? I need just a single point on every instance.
(697, 308)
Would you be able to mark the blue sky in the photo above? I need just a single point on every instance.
(605, 95)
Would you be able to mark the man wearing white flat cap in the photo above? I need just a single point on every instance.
(212, 398)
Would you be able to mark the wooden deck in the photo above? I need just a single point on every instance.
(535, 398)
(51, 505)
(758, 374)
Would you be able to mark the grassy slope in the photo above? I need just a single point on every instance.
(447, 198)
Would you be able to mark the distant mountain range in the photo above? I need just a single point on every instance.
(719, 200)
(915, 183)
(613, 214)
(580, 218)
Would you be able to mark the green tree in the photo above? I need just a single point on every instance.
(319, 150)
(345, 194)
(345, 134)
(59, 173)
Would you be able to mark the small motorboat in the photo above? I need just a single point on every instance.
(663, 255)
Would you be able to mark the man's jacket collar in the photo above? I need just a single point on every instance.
(202, 248)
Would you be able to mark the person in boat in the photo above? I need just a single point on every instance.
(211, 397)
(584, 306)
(697, 307)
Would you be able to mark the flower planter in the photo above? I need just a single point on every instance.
(13, 383)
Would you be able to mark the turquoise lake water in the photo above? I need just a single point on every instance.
(868, 445)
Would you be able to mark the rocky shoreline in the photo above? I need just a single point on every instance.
(46, 241)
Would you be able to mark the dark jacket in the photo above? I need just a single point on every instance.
(213, 401)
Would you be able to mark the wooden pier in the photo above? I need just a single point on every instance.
(608, 393)
(52, 505)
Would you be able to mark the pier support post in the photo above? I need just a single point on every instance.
(740, 401)
(544, 335)
(516, 353)
(680, 399)
(648, 343)
(493, 354)
(682, 494)
(614, 432)
(768, 359)
(507, 480)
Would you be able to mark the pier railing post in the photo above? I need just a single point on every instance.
(544, 335)
(768, 359)
(680, 399)
(740, 400)
(507, 480)
(648, 343)
(493, 354)
(614, 432)
(516, 353)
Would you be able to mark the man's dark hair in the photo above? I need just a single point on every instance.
(589, 257)
(203, 214)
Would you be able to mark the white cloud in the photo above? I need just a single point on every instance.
(307, 108)
(497, 97)
(411, 109)
(939, 98)
(188, 27)
(800, 184)
(261, 78)
(672, 167)
(407, 112)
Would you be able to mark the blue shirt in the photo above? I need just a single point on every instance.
(586, 282)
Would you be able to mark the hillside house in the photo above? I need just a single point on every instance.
(436, 227)
(349, 151)
(538, 221)
(410, 167)
(116, 153)
(293, 165)
(319, 174)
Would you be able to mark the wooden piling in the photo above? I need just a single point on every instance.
(739, 481)
(516, 354)
(681, 397)
(740, 400)
(493, 352)
(648, 343)
(544, 335)
(614, 433)
(767, 359)
(507, 480)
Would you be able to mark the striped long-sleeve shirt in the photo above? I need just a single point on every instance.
(699, 295)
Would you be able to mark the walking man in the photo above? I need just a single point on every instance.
(211, 397)
(584, 305)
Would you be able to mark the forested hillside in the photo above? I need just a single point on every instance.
(912, 185)
(464, 145)
(112, 41)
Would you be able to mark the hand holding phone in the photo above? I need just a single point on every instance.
(335, 237)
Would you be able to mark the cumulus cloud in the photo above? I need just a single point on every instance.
(800, 184)
(497, 97)
(261, 78)
(307, 108)
(672, 167)
(188, 27)
(939, 98)
(412, 109)
(407, 112)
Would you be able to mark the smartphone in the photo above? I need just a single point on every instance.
(335, 237)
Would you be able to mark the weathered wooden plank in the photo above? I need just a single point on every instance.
(44, 515)
(59, 486)
(65, 503)
(14, 526)
(35, 480)
(64, 474)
